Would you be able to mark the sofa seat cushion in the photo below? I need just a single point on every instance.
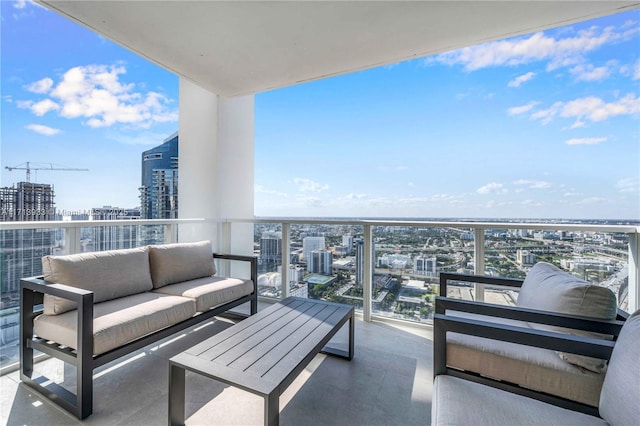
(174, 263)
(535, 368)
(209, 292)
(108, 274)
(119, 321)
(461, 402)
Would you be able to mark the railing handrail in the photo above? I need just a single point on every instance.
(427, 223)
(572, 226)
(93, 223)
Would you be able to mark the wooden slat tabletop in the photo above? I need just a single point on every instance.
(263, 351)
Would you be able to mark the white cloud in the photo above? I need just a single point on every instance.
(43, 107)
(589, 73)
(308, 185)
(41, 86)
(589, 108)
(310, 201)
(592, 200)
(586, 141)
(631, 184)
(260, 189)
(43, 130)
(558, 52)
(20, 4)
(636, 70)
(96, 94)
(522, 109)
(492, 188)
(353, 196)
(533, 184)
(532, 203)
(516, 82)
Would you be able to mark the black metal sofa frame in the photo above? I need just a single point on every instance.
(81, 403)
(444, 323)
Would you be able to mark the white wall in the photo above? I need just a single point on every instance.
(216, 165)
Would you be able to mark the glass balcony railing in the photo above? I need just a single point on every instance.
(406, 259)
(24, 244)
(386, 269)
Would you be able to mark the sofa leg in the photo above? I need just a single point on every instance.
(26, 333)
(254, 306)
(84, 393)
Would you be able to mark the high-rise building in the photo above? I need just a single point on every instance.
(22, 249)
(425, 266)
(320, 262)
(270, 252)
(525, 257)
(310, 244)
(347, 242)
(112, 237)
(159, 189)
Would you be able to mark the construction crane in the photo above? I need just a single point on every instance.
(27, 166)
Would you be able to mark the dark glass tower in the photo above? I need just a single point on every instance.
(159, 189)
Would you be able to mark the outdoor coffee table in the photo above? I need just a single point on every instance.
(264, 353)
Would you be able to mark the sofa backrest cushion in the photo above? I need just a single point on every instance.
(174, 263)
(549, 288)
(620, 395)
(108, 274)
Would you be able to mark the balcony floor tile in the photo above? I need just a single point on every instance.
(389, 382)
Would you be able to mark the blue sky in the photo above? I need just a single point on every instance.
(540, 126)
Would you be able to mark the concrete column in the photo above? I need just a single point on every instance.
(235, 168)
(216, 165)
(197, 154)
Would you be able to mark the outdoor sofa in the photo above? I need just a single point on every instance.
(89, 309)
(566, 379)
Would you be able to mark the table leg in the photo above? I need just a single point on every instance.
(176, 395)
(351, 336)
(272, 409)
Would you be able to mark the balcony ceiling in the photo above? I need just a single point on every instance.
(240, 47)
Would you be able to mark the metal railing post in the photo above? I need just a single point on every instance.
(286, 260)
(72, 240)
(367, 273)
(225, 247)
(634, 272)
(169, 233)
(478, 251)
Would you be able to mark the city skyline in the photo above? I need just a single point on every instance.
(544, 125)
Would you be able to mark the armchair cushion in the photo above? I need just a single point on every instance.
(531, 367)
(620, 396)
(174, 263)
(549, 288)
(461, 402)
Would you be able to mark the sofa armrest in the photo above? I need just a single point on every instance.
(253, 260)
(39, 285)
(32, 290)
(610, 327)
(445, 277)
